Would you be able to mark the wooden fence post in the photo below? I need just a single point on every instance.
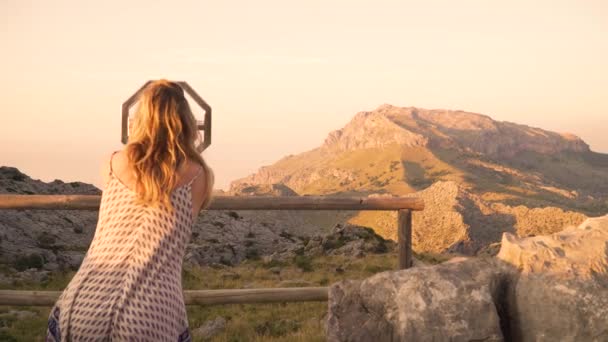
(404, 235)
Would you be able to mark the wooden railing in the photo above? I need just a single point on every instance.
(403, 205)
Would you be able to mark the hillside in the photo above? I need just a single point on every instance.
(34, 243)
(515, 173)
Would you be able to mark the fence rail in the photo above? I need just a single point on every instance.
(91, 202)
(191, 297)
(403, 205)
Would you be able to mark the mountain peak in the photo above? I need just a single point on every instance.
(372, 129)
(413, 127)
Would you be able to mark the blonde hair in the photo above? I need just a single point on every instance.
(163, 138)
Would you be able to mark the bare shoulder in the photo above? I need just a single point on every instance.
(202, 186)
(106, 167)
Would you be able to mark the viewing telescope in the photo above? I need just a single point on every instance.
(203, 125)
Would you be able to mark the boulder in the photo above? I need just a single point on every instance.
(449, 302)
(561, 293)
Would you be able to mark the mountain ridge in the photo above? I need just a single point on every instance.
(412, 126)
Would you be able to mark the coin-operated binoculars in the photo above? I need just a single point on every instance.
(204, 125)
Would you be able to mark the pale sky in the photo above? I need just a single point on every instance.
(280, 75)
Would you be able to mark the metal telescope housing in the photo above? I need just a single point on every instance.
(204, 126)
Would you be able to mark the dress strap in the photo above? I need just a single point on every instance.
(200, 170)
(112, 157)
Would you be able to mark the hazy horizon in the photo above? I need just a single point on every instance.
(280, 76)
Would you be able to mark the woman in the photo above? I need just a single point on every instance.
(129, 284)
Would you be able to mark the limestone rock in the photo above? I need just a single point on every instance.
(372, 130)
(452, 302)
(548, 309)
(562, 291)
(576, 252)
(410, 126)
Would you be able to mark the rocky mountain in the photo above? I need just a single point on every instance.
(399, 150)
(489, 176)
(416, 127)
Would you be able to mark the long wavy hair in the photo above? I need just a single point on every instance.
(163, 137)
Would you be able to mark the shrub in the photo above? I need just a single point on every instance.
(25, 262)
(46, 240)
(5, 336)
(303, 262)
(332, 244)
(234, 215)
(252, 254)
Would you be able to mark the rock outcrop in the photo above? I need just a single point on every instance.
(561, 293)
(479, 133)
(545, 288)
(372, 130)
(410, 126)
(343, 239)
(244, 189)
(457, 221)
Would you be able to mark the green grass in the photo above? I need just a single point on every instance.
(30, 329)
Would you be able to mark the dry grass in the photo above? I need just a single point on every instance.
(251, 322)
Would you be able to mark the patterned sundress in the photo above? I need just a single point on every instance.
(129, 285)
